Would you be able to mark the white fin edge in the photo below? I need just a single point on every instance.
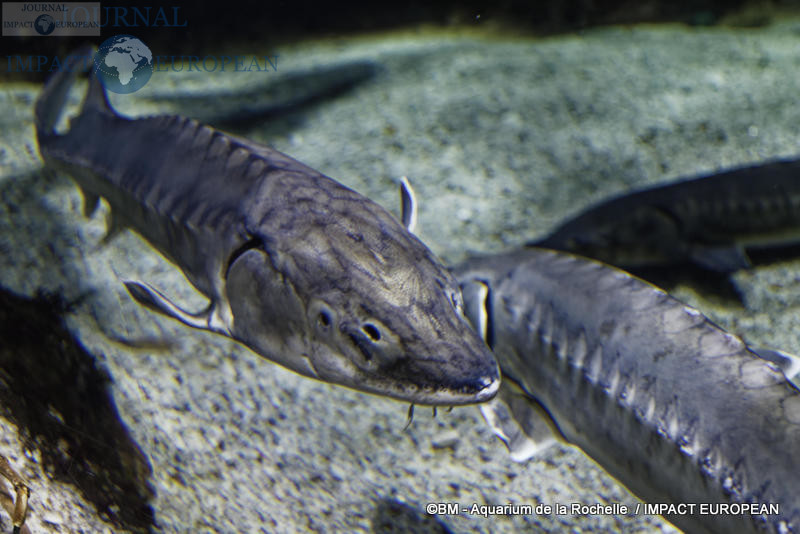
(408, 203)
(475, 294)
(520, 422)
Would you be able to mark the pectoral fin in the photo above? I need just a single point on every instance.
(115, 226)
(155, 300)
(520, 422)
(90, 203)
(408, 202)
(476, 302)
(722, 259)
(515, 417)
(788, 363)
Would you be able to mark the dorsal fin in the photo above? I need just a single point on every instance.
(408, 202)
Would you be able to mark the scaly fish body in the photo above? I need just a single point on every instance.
(299, 268)
(672, 406)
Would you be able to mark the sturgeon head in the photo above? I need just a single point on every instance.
(333, 287)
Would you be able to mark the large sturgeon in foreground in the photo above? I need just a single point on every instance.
(675, 408)
(304, 271)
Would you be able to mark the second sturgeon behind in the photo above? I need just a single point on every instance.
(668, 403)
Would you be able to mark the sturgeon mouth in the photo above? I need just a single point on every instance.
(488, 389)
(474, 391)
(480, 390)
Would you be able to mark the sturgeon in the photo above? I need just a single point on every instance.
(302, 270)
(709, 221)
(672, 406)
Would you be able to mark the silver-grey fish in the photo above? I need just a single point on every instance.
(304, 271)
(709, 221)
(669, 404)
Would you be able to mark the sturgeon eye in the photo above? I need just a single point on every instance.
(372, 331)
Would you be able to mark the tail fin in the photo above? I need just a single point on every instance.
(50, 103)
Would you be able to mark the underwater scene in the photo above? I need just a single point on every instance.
(449, 270)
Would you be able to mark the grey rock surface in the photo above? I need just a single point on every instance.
(502, 139)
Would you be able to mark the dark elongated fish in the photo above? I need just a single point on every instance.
(279, 96)
(709, 221)
(304, 271)
(672, 406)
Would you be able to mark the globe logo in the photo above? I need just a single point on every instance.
(44, 24)
(124, 64)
